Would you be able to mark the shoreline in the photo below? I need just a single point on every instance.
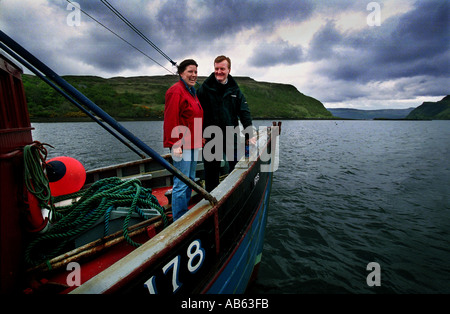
(62, 120)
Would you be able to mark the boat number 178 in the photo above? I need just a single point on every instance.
(196, 256)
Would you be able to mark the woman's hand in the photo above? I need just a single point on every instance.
(177, 152)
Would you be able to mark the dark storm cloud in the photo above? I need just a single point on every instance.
(414, 44)
(225, 18)
(276, 53)
(324, 42)
(178, 27)
(102, 49)
(218, 22)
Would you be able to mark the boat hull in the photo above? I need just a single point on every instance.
(242, 265)
(212, 249)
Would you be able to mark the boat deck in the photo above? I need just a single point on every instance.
(112, 249)
(160, 195)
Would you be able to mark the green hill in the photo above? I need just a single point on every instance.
(439, 110)
(348, 113)
(142, 98)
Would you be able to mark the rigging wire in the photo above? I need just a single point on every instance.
(137, 31)
(123, 39)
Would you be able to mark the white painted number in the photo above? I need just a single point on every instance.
(198, 251)
(193, 251)
(173, 263)
(150, 284)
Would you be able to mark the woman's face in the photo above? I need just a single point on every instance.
(190, 75)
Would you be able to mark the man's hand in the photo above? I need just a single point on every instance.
(252, 141)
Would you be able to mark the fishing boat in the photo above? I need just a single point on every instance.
(133, 246)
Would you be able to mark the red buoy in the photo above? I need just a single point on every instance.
(66, 175)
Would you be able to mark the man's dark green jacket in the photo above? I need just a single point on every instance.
(223, 104)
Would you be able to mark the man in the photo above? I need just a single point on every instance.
(223, 106)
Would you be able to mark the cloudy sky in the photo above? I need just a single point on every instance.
(346, 53)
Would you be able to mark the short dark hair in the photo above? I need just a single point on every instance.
(222, 58)
(185, 63)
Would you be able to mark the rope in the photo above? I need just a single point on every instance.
(36, 180)
(124, 40)
(96, 202)
(137, 31)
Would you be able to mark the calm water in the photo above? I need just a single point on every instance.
(346, 193)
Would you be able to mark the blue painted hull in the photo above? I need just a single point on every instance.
(235, 275)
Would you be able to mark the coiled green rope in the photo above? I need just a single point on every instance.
(36, 180)
(94, 203)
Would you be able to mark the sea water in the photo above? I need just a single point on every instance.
(346, 194)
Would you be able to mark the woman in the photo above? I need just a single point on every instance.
(183, 119)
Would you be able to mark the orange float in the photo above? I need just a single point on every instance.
(66, 175)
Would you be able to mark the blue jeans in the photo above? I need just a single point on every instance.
(181, 193)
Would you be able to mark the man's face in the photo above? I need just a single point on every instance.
(221, 71)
